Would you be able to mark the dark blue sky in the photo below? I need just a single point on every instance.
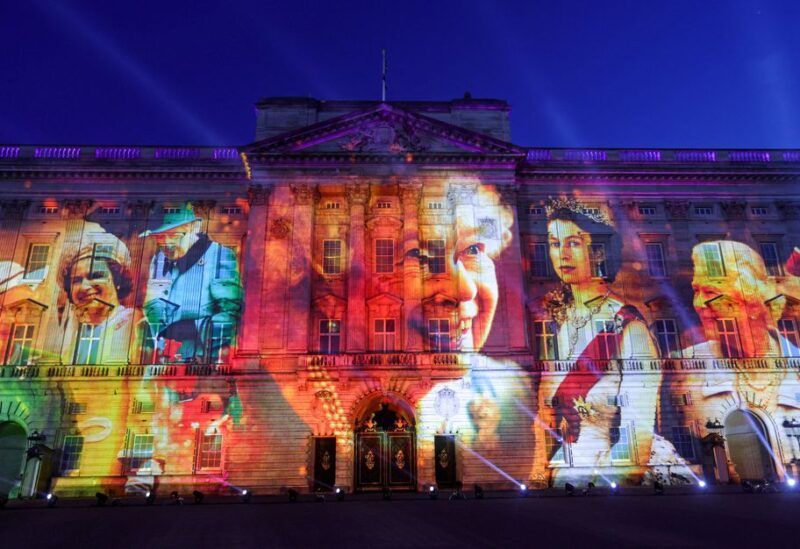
(598, 74)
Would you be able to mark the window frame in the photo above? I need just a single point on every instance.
(706, 247)
(604, 337)
(773, 266)
(384, 262)
(598, 263)
(209, 450)
(31, 356)
(138, 462)
(383, 340)
(437, 337)
(29, 260)
(94, 336)
(784, 334)
(683, 439)
(724, 338)
(331, 261)
(627, 446)
(657, 335)
(436, 254)
(659, 261)
(539, 266)
(330, 342)
(545, 340)
(70, 463)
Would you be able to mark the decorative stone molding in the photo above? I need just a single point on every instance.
(384, 222)
(357, 193)
(677, 209)
(734, 210)
(789, 210)
(303, 193)
(462, 193)
(14, 209)
(410, 193)
(280, 228)
(77, 209)
(258, 195)
(384, 136)
(140, 209)
(509, 193)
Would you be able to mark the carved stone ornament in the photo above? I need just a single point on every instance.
(203, 208)
(369, 460)
(410, 193)
(357, 193)
(303, 194)
(384, 136)
(444, 459)
(77, 209)
(258, 195)
(325, 462)
(400, 459)
(677, 209)
(462, 194)
(734, 210)
(14, 209)
(446, 403)
(140, 209)
(280, 228)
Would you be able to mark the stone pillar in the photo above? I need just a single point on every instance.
(356, 325)
(512, 274)
(252, 270)
(299, 303)
(412, 276)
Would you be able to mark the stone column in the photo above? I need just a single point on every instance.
(356, 325)
(512, 274)
(299, 303)
(252, 270)
(410, 193)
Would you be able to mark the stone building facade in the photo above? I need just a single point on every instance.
(394, 295)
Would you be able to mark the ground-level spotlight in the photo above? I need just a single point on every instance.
(198, 496)
(569, 489)
(116, 502)
(658, 488)
(589, 489)
(339, 494)
(319, 497)
(478, 490)
(701, 483)
(149, 497)
(387, 493)
(176, 497)
(292, 495)
(433, 492)
(101, 499)
(523, 489)
(790, 482)
(52, 499)
(247, 495)
(458, 491)
(614, 487)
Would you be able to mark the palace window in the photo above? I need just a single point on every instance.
(787, 330)
(170, 210)
(333, 205)
(71, 453)
(607, 343)
(36, 264)
(539, 260)
(655, 259)
(666, 333)
(220, 342)
(436, 256)
(231, 210)
(210, 451)
(439, 334)
(332, 256)
(383, 204)
(20, 345)
(384, 334)
(435, 206)
(227, 264)
(99, 269)
(535, 210)
(152, 344)
(545, 336)
(729, 338)
(703, 211)
(682, 439)
(329, 336)
(713, 259)
(555, 445)
(142, 453)
(759, 211)
(769, 253)
(597, 259)
(617, 400)
(88, 348)
(647, 211)
(384, 256)
(48, 210)
(109, 210)
(621, 450)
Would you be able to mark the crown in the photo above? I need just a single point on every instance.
(571, 204)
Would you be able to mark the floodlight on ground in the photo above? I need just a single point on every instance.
(149, 497)
(319, 497)
(658, 488)
(589, 488)
(247, 495)
(101, 499)
(339, 494)
(198, 496)
(478, 490)
(790, 482)
(613, 485)
(176, 498)
(292, 495)
(569, 489)
(458, 491)
(52, 499)
(433, 492)
(701, 483)
(523, 489)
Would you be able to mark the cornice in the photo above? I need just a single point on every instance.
(189, 172)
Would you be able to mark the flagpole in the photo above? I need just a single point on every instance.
(383, 75)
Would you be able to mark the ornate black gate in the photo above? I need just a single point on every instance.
(385, 452)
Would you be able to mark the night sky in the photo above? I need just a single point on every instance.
(577, 74)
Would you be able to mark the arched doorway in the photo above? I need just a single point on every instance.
(13, 443)
(385, 446)
(748, 445)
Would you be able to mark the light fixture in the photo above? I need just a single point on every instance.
(478, 490)
(52, 500)
(658, 488)
(292, 495)
(176, 497)
(701, 483)
(433, 492)
(569, 489)
(198, 496)
(101, 499)
(523, 489)
(589, 489)
(748, 486)
(614, 486)
(149, 497)
(247, 495)
(319, 497)
(458, 491)
(339, 494)
(791, 482)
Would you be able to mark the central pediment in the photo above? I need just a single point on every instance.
(382, 130)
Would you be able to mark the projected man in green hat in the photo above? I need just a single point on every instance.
(194, 294)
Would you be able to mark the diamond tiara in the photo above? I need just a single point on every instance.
(571, 204)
